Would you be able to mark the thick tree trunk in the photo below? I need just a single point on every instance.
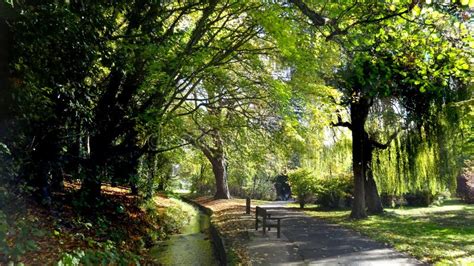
(91, 185)
(151, 164)
(220, 174)
(359, 113)
(4, 82)
(374, 203)
(372, 198)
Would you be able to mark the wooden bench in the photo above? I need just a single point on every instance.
(264, 217)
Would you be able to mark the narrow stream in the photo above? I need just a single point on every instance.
(192, 247)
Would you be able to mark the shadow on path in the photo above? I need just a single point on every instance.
(308, 240)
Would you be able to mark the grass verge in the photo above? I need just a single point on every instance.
(442, 235)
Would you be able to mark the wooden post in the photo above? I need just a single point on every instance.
(247, 205)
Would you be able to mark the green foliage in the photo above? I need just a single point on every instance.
(335, 191)
(17, 238)
(168, 221)
(302, 183)
(110, 255)
(18, 233)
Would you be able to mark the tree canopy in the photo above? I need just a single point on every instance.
(225, 95)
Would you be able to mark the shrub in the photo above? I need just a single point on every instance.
(392, 201)
(110, 255)
(334, 192)
(302, 184)
(421, 198)
(465, 187)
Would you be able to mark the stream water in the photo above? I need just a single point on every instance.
(192, 247)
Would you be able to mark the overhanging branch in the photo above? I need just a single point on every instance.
(385, 145)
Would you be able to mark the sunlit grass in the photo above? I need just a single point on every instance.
(441, 235)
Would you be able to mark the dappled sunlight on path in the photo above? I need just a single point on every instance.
(307, 240)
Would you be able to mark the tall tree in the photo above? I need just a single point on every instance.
(394, 69)
(117, 70)
(231, 101)
(378, 42)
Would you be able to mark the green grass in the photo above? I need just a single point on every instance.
(443, 235)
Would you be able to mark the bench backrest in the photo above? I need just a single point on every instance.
(260, 212)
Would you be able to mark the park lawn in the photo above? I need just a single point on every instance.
(441, 234)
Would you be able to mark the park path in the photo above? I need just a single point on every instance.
(310, 241)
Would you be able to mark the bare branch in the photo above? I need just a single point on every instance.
(317, 19)
(340, 123)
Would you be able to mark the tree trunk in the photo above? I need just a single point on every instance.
(359, 113)
(151, 164)
(372, 198)
(374, 203)
(91, 185)
(220, 173)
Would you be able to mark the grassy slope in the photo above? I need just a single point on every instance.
(122, 230)
(442, 235)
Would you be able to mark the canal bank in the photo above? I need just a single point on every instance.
(232, 224)
(192, 246)
(217, 239)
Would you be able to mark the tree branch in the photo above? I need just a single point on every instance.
(385, 145)
(340, 123)
(317, 19)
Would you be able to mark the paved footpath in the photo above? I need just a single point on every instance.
(310, 241)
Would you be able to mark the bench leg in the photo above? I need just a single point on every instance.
(256, 220)
(269, 215)
(278, 229)
(264, 224)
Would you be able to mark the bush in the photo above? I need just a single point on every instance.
(422, 198)
(392, 201)
(110, 255)
(334, 192)
(329, 192)
(465, 187)
(302, 184)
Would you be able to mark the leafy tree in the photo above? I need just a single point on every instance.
(382, 61)
(231, 103)
(394, 69)
(117, 73)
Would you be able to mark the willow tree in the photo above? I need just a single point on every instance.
(417, 62)
(406, 51)
(321, 29)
